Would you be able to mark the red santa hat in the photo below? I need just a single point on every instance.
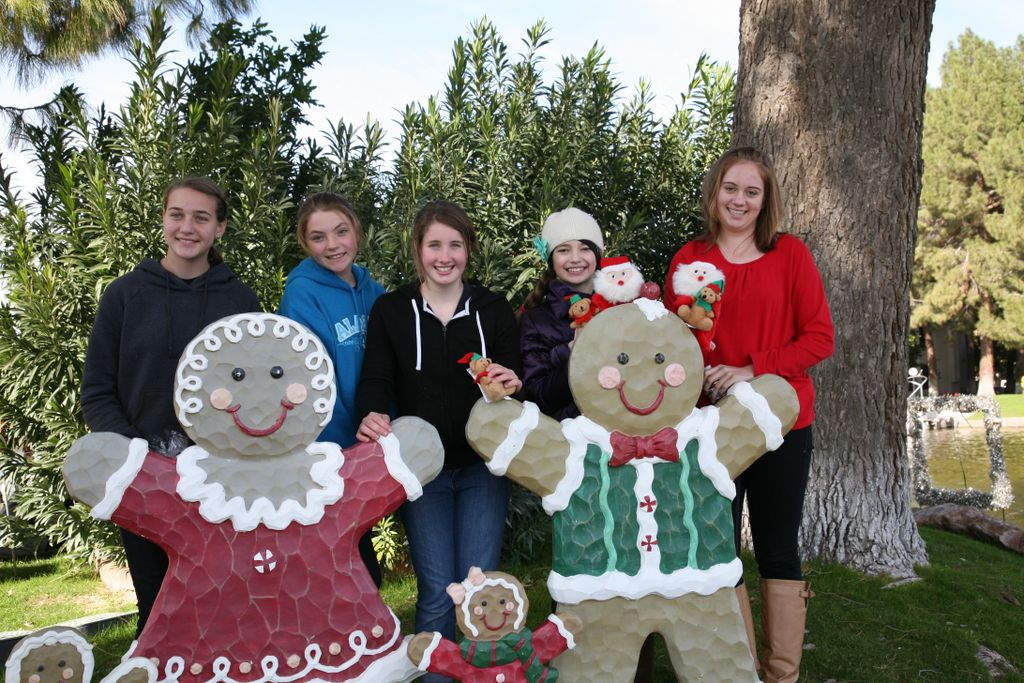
(612, 261)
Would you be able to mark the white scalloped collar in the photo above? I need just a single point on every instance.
(214, 508)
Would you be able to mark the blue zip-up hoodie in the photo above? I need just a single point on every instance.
(336, 312)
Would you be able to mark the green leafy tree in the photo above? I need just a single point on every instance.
(501, 140)
(969, 260)
(38, 37)
(97, 213)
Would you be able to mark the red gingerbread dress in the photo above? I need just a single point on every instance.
(257, 594)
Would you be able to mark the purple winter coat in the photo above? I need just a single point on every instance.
(544, 337)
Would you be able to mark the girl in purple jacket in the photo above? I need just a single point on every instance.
(571, 243)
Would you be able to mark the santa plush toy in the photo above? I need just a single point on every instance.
(617, 282)
(699, 287)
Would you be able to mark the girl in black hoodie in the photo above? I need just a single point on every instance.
(144, 321)
(414, 340)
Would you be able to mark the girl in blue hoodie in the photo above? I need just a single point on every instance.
(332, 296)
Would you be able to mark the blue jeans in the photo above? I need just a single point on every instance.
(456, 524)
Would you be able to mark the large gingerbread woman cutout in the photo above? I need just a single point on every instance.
(260, 523)
(639, 488)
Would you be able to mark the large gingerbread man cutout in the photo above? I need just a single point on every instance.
(639, 488)
(260, 523)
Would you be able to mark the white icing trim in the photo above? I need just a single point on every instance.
(758, 406)
(644, 486)
(127, 664)
(707, 454)
(518, 431)
(395, 666)
(570, 640)
(428, 653)
(571, 590)
(194, 359)
(572, 429)
(492, 581)
(651, 308)
(47, 639)
(120, 480)
(214, 507)
(397, 467)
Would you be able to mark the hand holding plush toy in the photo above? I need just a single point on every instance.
(491, 612)
(699, 287)
(478, 368)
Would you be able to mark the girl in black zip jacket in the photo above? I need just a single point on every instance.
(414, 340)
(144, 321)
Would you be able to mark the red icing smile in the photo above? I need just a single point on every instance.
(504, 620)
(641, 411)
(285, 407)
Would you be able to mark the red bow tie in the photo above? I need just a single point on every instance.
(661, 444)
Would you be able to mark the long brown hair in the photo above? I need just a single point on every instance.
(211, 189)
(769, 219)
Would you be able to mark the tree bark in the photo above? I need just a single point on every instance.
(834, 92)
(972, 522)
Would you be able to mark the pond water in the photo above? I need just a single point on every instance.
(958, 458)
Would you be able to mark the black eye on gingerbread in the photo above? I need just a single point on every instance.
(483, 603)
(238, 374)
(277, 372)
(40, 668)
(623, 358)
(61, 663)
(659, 358)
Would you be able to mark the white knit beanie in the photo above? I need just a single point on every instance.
(569, 224)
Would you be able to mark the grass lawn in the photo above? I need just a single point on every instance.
(38, 593)
(1010, 405)
(858, 630)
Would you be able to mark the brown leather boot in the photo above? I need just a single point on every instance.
(748, 622)
(783, 615)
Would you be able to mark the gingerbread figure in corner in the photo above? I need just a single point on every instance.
(639, 488)
(491, 610)
(58, 654)
(260, 523)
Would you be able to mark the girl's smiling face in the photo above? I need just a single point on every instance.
(740, 197)
(574, 264)
(443, 255)
(332, 241)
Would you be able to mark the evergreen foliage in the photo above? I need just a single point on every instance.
(500, 139)
(969, 260)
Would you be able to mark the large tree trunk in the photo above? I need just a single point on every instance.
(834, 92)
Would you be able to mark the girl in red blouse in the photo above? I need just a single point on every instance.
(773, 318)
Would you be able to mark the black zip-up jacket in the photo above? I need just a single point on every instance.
(411, 366)
(144, 321)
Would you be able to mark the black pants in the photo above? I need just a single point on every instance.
(147, 563)
(774, 488)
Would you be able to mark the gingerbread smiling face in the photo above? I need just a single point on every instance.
(489, 605)
(254, 399)
(53, 655)
(650, 378)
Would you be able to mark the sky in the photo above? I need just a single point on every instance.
(384, 54)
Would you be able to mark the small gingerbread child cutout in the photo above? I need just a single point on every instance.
(260, 523)
(52, 655)
(699, 287)
(639, 488)
(491, 610)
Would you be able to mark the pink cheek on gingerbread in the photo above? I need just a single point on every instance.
(67, 673)
(609, 377)
(34, 678)
(296, 393)
(675, 375)
(220, 398)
